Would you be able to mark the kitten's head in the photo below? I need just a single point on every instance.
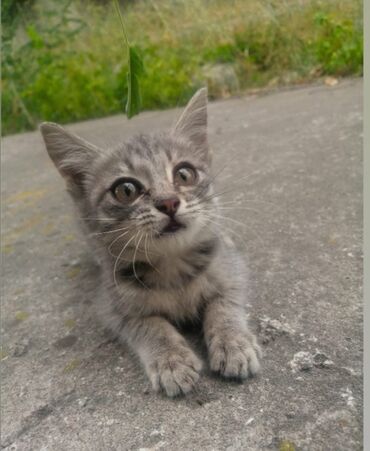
(154, 189)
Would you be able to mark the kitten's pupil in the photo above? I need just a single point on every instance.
(126, 192)
(129, 189)
(185, 176)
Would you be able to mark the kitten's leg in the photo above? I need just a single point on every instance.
(233, 350)
(168, 360)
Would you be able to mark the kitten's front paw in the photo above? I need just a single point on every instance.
(234, 356)
(175, 371)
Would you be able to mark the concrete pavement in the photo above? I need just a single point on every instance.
(294, 163)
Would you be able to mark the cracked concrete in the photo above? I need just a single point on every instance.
(294, 163)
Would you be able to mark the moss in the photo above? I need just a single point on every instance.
(7, 249)
(72, 365)
(3, 354)
(286, 445)
(73, 272)
(70, 323)
(21, 315)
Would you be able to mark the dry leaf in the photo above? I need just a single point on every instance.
(331, 81)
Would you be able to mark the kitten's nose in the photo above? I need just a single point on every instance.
(168, 206)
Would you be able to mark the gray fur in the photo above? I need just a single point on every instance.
(152, 283)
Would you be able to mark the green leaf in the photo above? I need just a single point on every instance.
(135, 70)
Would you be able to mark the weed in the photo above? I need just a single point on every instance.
(63, 61)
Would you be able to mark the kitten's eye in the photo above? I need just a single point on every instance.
(185, 175)
(126, 191)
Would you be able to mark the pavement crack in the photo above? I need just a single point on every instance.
(38, 416)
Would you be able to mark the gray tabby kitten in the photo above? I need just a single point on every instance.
(149, 207)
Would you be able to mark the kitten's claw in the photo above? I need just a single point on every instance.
(175, 372)
(235, 357)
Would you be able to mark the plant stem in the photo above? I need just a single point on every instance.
(128, 46)
(22, 105)
(116, 4)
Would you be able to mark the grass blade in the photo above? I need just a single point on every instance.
(135, 70)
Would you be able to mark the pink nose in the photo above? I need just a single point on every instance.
(168, 206)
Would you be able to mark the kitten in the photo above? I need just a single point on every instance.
(149, 207)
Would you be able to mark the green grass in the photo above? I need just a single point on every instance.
(65, 61)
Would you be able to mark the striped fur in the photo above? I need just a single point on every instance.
(153, 282)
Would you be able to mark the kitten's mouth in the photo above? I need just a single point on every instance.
(172, 227)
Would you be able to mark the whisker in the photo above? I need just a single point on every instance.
(114, 241)
(235, 209)
(137, 218)
(237, 202)
(133, 263)
(238, 223)
(224, 230)
(228, 219)
(118, 258)
(110, 231)
(146, 253)
(215, 195)
(219, 172)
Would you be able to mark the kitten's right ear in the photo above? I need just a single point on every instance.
(192, 124)
(71, 154)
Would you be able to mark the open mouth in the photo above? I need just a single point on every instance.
(172, 227)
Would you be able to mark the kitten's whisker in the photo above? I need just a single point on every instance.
(215, 195)
(118, 258)
(220, 171)
(217, 209)
(231, 175)
(226, 191)
(225, 229)
(114, 241)
(238, 208)
(236, 180)
(219, 194)
(109, 231)
(154, 243)
(214, 215)
(238, 202)
(146, 253)
(95, 219)
(133, 263)
(238, 223)
(218, 228)
(114, 219)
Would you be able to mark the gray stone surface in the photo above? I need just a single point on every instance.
(294, 164)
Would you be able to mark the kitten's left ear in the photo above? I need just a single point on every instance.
(192, 124)
(71, 154)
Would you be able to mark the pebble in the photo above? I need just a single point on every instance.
(156, 433)
(302, 361)
(321, 360)
(21, 348)
(272, 328)
(82, 402)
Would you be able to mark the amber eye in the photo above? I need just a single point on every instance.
(185, 175)
(126, 191)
